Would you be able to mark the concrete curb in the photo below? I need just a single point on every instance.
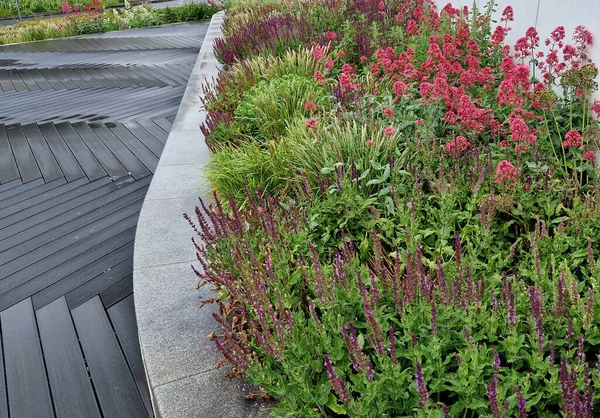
(179, 359)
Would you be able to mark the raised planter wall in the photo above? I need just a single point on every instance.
(178, 356)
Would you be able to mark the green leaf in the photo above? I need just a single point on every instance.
(334, 406)
(386, 172)
(323, 391)
(361, 340)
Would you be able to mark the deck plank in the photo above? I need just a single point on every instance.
(43, 155)
(25, 370)
(28, 167)
(84, 156)
(72, 391)
(8, 164)
(83, 122)
(122, 316)
(105, 157)
(115, 387)
(64, 156)
(131, 163)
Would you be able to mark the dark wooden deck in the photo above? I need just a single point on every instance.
(82, 125)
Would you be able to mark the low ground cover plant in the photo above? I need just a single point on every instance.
(91, 19)
(405, 218)
(9, 8)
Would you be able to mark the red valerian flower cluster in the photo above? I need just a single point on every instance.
(457, 146)
(311, 124)
(506, 173)
(572, 139)
(310, 107)
(456, 74)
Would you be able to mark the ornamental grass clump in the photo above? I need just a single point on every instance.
(407, 224)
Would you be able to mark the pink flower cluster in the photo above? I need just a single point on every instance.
(516, 85)
(346, 78)
(389, 131)
(457, 146)
(311, 124)
(520, 132)
(319, 78)
(572, 55)
(506, 173)
(572, 139)
(310, 107)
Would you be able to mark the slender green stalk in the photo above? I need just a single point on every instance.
(562, 146)
(571, 112)
(550, 136)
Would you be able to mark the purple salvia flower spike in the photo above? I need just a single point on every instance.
(339, 387)
(521, 403)
(421, 388)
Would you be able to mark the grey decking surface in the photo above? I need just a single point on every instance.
(82, 125)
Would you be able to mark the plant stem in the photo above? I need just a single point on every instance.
(550, 136)
(562, 147)
(571, 112)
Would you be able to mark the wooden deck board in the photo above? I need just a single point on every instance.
(24, 363)
(72, 390)
(83, 122)
(117, 393)
(122, 316)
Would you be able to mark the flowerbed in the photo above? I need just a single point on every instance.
(406, 216)
(9, 8)
(91, 19)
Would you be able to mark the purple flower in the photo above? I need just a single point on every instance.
(493, 398)
(521, 403)
(421, 388)
(496, 363)
(512, 309)
(569, 331)
(339, 387)
(468, 335)
(457, 249)
(360, 362)
(590, 256)
(580, 352)
(562, 297)
(589, 309)
(392, 334)
(320, 282)
(396, 285)
(434, 329)
(536, 301)
(368, 310)
(442, 284)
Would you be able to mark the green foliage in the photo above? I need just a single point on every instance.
(114, 19)
(269, 106)
(424, 250)
(380, 255)
(40, 6)
(190, 12)
(235, 168)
